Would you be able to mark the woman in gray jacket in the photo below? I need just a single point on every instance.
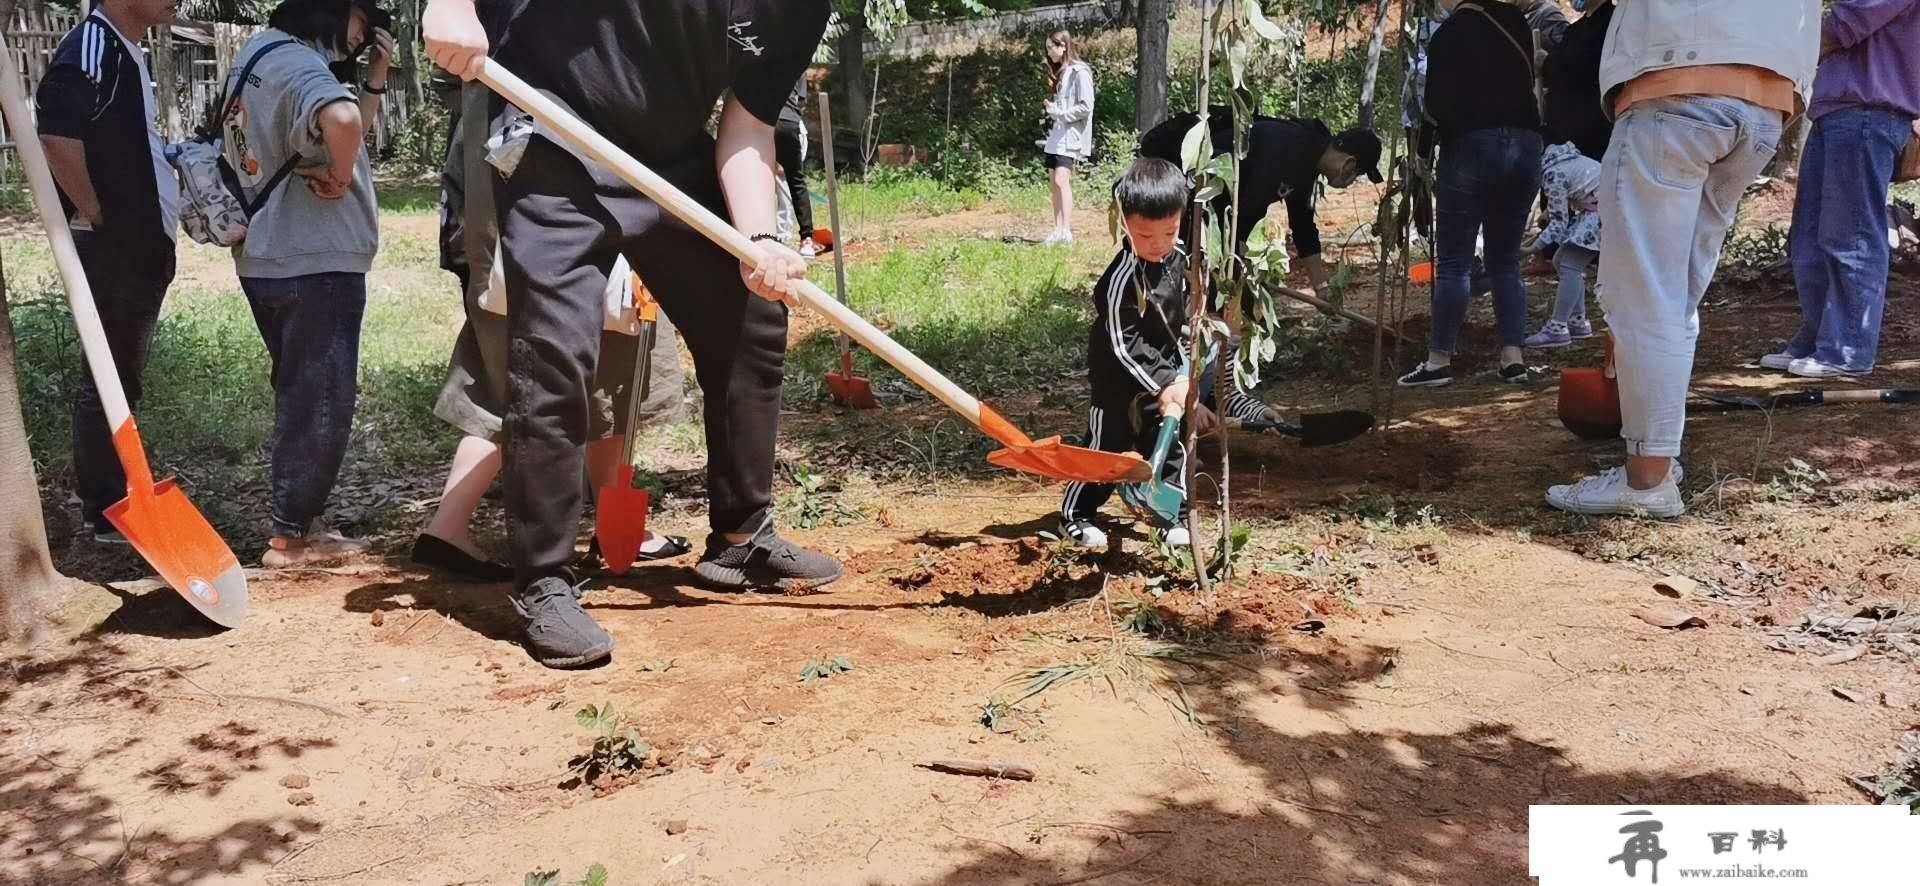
(1070, 140)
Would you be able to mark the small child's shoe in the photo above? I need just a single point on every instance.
(1553, 335)
(1083, 534)
(1580, 327)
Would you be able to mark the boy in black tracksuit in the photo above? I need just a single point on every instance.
(1138, 346)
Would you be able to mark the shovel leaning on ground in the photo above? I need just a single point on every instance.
(1314, 429)
(1048, 457)
(1729, 402)
(620, 511)
(156, 518)
(853, 390)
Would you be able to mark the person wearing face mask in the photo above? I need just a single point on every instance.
(1284, 160)
(1482, 112)
(304, 263)
(95, 108)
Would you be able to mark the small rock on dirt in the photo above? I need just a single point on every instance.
(1896, 700)
(1677, 587)
(379, 618)
(300, 798)
(676, 826)
(1339, 753)
(1852, 695)
(295, 781)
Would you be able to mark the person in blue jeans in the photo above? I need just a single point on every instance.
(1481, 107)
(304, 263)
(1865, 98)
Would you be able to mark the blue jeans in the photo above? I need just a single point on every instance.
(1673, 175)
(1839, 243)
(311, 326)
(1486, 180)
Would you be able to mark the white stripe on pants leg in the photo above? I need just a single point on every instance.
(1076, 489)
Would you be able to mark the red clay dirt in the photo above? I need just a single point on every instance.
(1415, 650)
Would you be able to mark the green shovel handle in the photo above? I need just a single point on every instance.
(1169, 429)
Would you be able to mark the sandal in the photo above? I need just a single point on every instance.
(666, 547)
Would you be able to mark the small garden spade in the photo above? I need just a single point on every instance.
(847, 388)
(620, 511)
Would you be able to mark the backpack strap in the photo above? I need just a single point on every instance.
(225, 107)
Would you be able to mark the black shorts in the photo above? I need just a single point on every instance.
(1060, 161)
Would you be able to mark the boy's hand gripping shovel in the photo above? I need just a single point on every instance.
(157, 519)
(1156, 498)
(620, 512)
(1048, 457)
(853, 390)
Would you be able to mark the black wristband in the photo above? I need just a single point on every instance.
(775, 238)
(369, 89)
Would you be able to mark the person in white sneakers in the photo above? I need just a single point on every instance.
(1070, 133)
(1702, 90)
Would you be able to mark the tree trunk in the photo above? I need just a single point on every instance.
(166, 89)
(1786, 162)
(27, 576)
(1373, 65)
(1150, 84)
(852, 55)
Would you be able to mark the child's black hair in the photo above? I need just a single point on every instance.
(1151, 188)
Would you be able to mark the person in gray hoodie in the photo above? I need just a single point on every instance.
(304, 263)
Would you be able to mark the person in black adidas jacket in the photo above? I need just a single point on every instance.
(95, 108)
(1138, 345)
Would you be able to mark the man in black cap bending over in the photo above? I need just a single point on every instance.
(1284, 158)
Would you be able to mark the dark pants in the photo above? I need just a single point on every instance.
(129, 280)
(786, 150)
(1118, 429)
(311, 325)
(1839, 241)
(560, 229)
(1487, 181)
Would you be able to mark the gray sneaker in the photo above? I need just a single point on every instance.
(1580, 327)
(764, 561)
(559, 633)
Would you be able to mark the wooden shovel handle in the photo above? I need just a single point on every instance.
(633, 172)
(1870, 395)
(86, 316)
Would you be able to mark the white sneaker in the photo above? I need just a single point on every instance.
(1609, 493)
(1083, 534)
(1178, 537)
(1777, 362)
(1057, 238)
(1807, 367)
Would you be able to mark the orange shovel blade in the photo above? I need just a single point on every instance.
(620, 521)
(1056, 460)
(853, 390)
(170, 533)
(1421, 273)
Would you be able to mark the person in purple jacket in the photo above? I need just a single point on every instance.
(1865, 99)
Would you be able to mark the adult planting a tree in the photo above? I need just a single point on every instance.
(1284, 160)
(95, 108)
(304, 263)
(646, 74)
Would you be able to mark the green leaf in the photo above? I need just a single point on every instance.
(541, 878)
(1196, 145)
(596, 876)
(1261, 24)
(843, 663)
(587, 717)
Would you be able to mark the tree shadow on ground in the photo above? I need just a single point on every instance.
(1360, 806)
(57, 827)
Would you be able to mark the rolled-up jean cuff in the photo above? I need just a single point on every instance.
(1652, 448)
